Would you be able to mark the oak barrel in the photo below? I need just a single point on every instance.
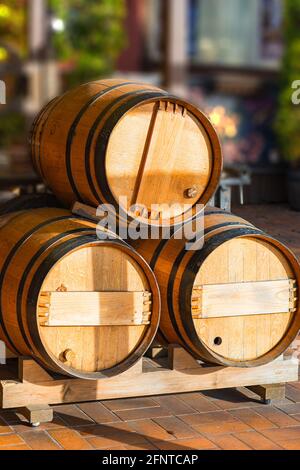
(113, 138)
(29, 201)
(80, 305)
(235, 301)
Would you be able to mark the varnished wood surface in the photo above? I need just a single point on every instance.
(94, 308)
(145, 379)
(244, 298)
(113, 138)
(51, 250)
(239, 253)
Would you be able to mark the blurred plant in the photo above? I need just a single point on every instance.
(89, 34)
(12, 27)
(287, 124)
(13, 47)
(12, 129)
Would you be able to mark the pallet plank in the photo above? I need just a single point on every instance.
(138, 382)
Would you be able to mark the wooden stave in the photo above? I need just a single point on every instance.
(176, 324)
(94, 187)
(29, 201)
(25, 319)
(11, 222)
(88, 98)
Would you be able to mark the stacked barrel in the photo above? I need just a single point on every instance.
(90, 306)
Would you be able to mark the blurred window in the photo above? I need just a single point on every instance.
(236, 32)
(224, 32)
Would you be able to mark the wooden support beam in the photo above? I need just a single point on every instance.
(156, 352)
(37, 414)
(30, 371)
(184, 375)
(180, 359)
(269, 392)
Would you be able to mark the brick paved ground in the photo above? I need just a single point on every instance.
(276, 219)
(227, 419)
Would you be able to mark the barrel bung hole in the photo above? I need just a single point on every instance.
(218, 341)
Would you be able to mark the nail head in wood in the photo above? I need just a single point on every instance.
(68, 355)
(192, 192)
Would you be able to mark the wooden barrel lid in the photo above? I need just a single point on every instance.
(94, 309)
(163, 152)
(244, 300)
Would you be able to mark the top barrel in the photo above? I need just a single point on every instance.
(113, 139)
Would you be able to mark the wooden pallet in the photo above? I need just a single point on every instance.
(26, 386)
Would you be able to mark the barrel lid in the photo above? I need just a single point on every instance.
(244, 300)
(162, 156)
(95, 309)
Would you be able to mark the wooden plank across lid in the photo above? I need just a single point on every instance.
(243, 299)
(94, 308)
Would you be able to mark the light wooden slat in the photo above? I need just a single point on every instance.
(135, 383)
(246, 298)
(94, 308)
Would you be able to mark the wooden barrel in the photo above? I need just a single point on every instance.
(233, 302)
(82, 306)
(29, 201)
(111, 139)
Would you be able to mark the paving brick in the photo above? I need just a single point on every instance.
(175, 404)
(176, 427)
(100, 444)
(98, 413)
(293, 393)
(201, 443)
(4, 428)
(256, 441)
(10, 439)
(276, 416)
(151, 430)
(229, 443)
(232, 398)
(297, 417)
(293, 444)
(119, 447)
(69, 439)
(72, 415)
(289, 408)
(296, 384)
(112, 434)
(230, 427)
(40, 441)
(143, 413)
(9, 417)
(146, 446)
(139, 446)
(283, 434)
(252, 418)
(197, 402)
(16, 447)
(208, 418)
(130, 404)
(23, 426)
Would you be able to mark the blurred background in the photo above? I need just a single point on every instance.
(235, 59)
